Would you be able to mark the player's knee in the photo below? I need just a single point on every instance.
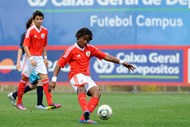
(45, 81)
(24, 78)
(43, 77)
(81, 90)
(95, 92)
(33, 86)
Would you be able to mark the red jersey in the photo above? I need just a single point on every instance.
(78, 59)
(36, 40)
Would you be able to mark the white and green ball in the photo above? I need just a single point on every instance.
(104, 112)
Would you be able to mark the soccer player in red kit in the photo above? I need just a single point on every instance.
(78, 57)
(34, 83)
(35, 46)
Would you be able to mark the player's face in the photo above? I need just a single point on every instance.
(38, 21)
(83, 41)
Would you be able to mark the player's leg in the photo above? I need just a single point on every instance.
(41, 70)
(94, 91)
(83, 101)
(12, 96)
(78, 84)
(34, 80)
(21, 87)
(24, 79)
(95, 94)
(26, 71)
(45, 81)
(39, 92)
(85, 118)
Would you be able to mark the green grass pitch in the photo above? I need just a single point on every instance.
(129, 110)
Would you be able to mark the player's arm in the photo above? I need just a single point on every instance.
(26, 44)
(19, 55)
(32, 61)
(52, 84)
(45, 56)
(60, 64)
(63, 60)
(20, 51)
(113, 59)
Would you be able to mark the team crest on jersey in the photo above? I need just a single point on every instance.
(88, 53)
(42, 36)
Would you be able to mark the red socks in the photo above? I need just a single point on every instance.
(93, 102)
(82, 101)
(21, 87)
(48, 94)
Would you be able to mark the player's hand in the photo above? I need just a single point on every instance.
(129, 66)
(18, 66)
(33, 62)
(51, 86)
(46, 62)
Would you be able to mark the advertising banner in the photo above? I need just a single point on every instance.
(156, 30)
(154, 65)
(151, 65)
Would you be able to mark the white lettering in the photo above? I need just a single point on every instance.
(180, 2)
(155, 58)
(117, 2)
(59, 3)
(131, 2)
(110, 22)
(132, 58)
(158, 22)
(152, 2)
(110, 2)
(161, 69)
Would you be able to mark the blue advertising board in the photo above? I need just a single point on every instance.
(123, 22)
(8, 72)
(151, 66)
(157, 65)
(158, 31)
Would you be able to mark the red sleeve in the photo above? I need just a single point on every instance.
(65, 58)
(27, 39)
(61, 62)
(100, 55)
(97, 53)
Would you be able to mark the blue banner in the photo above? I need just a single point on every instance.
(151, 66)
(122, 22)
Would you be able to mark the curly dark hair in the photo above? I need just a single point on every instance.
(84, 31)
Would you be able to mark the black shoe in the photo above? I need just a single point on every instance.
(86, 115)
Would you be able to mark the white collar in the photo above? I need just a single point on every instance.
(82, 49)
(37, 28)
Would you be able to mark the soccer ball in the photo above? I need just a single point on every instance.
(104, 112)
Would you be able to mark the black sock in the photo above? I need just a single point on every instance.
(39, 91)
(15, 94)
(27, 88)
